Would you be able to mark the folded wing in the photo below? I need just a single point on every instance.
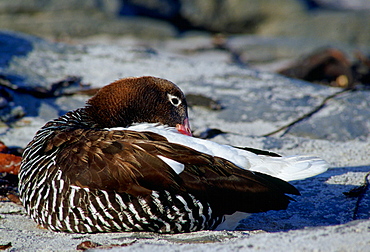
(132, 162)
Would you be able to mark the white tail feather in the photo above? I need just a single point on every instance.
(286, 168)
(292, 167)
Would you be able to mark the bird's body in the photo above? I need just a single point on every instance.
(120, 164)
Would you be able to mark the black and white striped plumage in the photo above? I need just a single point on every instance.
(92, 171)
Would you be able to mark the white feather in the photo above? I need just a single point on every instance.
(176, 166)
(286, 168)
(232, 221)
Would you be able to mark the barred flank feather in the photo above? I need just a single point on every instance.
(54, 203)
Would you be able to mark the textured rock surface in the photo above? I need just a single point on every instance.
(255, 103)
(331, 26)
(236, 16)
(344, 4)
(284, 100)
(62, 20)
(71, 18)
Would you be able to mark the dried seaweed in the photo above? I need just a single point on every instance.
(359, 193)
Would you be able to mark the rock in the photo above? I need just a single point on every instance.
(342, 120)
(13, 46)
(232, 16)
(254, 103)
(158, 19)
(202, 101)
(330, 26)
(9, 111)
(212, 15)
(261, 50)
(3, 102)
(18, 6)
(287, 18)
(344, 4)
(163, 9)
(66, 19)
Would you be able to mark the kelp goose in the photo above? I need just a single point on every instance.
(127, 162)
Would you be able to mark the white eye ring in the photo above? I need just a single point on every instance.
(176, 101)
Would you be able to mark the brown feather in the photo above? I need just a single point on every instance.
(127, 161)
(111, 162)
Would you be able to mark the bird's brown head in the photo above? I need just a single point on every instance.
(138, 100)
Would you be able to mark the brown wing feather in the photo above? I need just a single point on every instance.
(111, 161)
(127, 161)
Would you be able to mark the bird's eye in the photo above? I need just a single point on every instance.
(174, 100)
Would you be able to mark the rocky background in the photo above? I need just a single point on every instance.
(288, 76)
(341, 21)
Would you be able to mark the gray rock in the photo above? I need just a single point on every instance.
(165, 9)
(286, 18)
(63, 20)
(17, 6)
(255, 103)
(235, 16)
(66, 19)
(344, 118)
(3, 102)
(263, 50)
(344, 4)
(331, 26)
